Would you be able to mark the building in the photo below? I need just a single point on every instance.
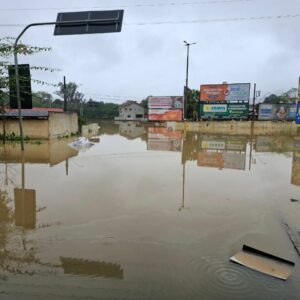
(40, 123)
(131, 111)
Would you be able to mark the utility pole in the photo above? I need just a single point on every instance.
(187, 76)
(255, 94)
(65, 94)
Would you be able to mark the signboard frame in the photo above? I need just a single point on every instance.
(231, 110)
(89, 22)
(220, 92)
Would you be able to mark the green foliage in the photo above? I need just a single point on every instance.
(100, 110)
(192, 104)
(42, 99)
(288, 97)
(12, 137)
(6, 55)
(74, 97)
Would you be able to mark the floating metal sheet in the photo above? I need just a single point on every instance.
(264, 262)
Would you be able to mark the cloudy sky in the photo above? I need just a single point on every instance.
(149, 58)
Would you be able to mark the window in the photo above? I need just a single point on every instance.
(139, 116)
(129, 116)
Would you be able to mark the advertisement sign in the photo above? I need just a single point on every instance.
(213, 92)
(165, 102)
(224, 111)
(164, 139)
(238, 92)
(225, 92)
(298, 113)
(215, 108)
(165, 115)
(280, 112)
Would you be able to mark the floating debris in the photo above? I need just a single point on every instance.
(264, 262)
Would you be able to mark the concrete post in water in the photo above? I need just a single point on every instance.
(65, 94)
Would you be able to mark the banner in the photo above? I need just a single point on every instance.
(165, 102)
(224, 111)
(213, 92)
(225, 92)
(165, 115)
(282, 112)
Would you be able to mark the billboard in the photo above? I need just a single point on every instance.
(25, 87)
(164, 139)
(225, 92)
(279, 112)
(165, 115)
(224, 111)
(165, 102)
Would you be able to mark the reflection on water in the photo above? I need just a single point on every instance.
(159, 210)
(25, 208)
(82, 267)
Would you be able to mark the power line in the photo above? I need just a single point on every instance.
(216, 20)
(130, 5)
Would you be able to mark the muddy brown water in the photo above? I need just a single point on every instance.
(147, 213)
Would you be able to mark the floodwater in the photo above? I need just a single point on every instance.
(147, 213)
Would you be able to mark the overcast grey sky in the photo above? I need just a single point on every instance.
(150, 59)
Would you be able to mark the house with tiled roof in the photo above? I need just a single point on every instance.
(131, 111)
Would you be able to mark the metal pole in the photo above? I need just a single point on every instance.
(186, 81)
(65, 94)
(18, 94)
(108, 21)
(254, 97)
(187, 65)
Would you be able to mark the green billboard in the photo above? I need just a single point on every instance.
(224, 110)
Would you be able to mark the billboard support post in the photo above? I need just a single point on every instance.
(254, 98)
(116, 21)
(65, 94)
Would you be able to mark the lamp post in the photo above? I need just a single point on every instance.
(103, 21)
(187, 75)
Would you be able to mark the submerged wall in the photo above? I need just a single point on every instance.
(33, 128)
(237, 127)
(90, 130)
(62, 124)
(55, 126)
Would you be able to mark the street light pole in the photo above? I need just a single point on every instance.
(187, 76)
(107, 21)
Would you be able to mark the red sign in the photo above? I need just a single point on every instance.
(165, 115)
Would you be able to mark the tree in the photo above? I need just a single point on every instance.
(192, 104)
(288, 97)
(42, 99)
(6, 55)
(74, 98)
